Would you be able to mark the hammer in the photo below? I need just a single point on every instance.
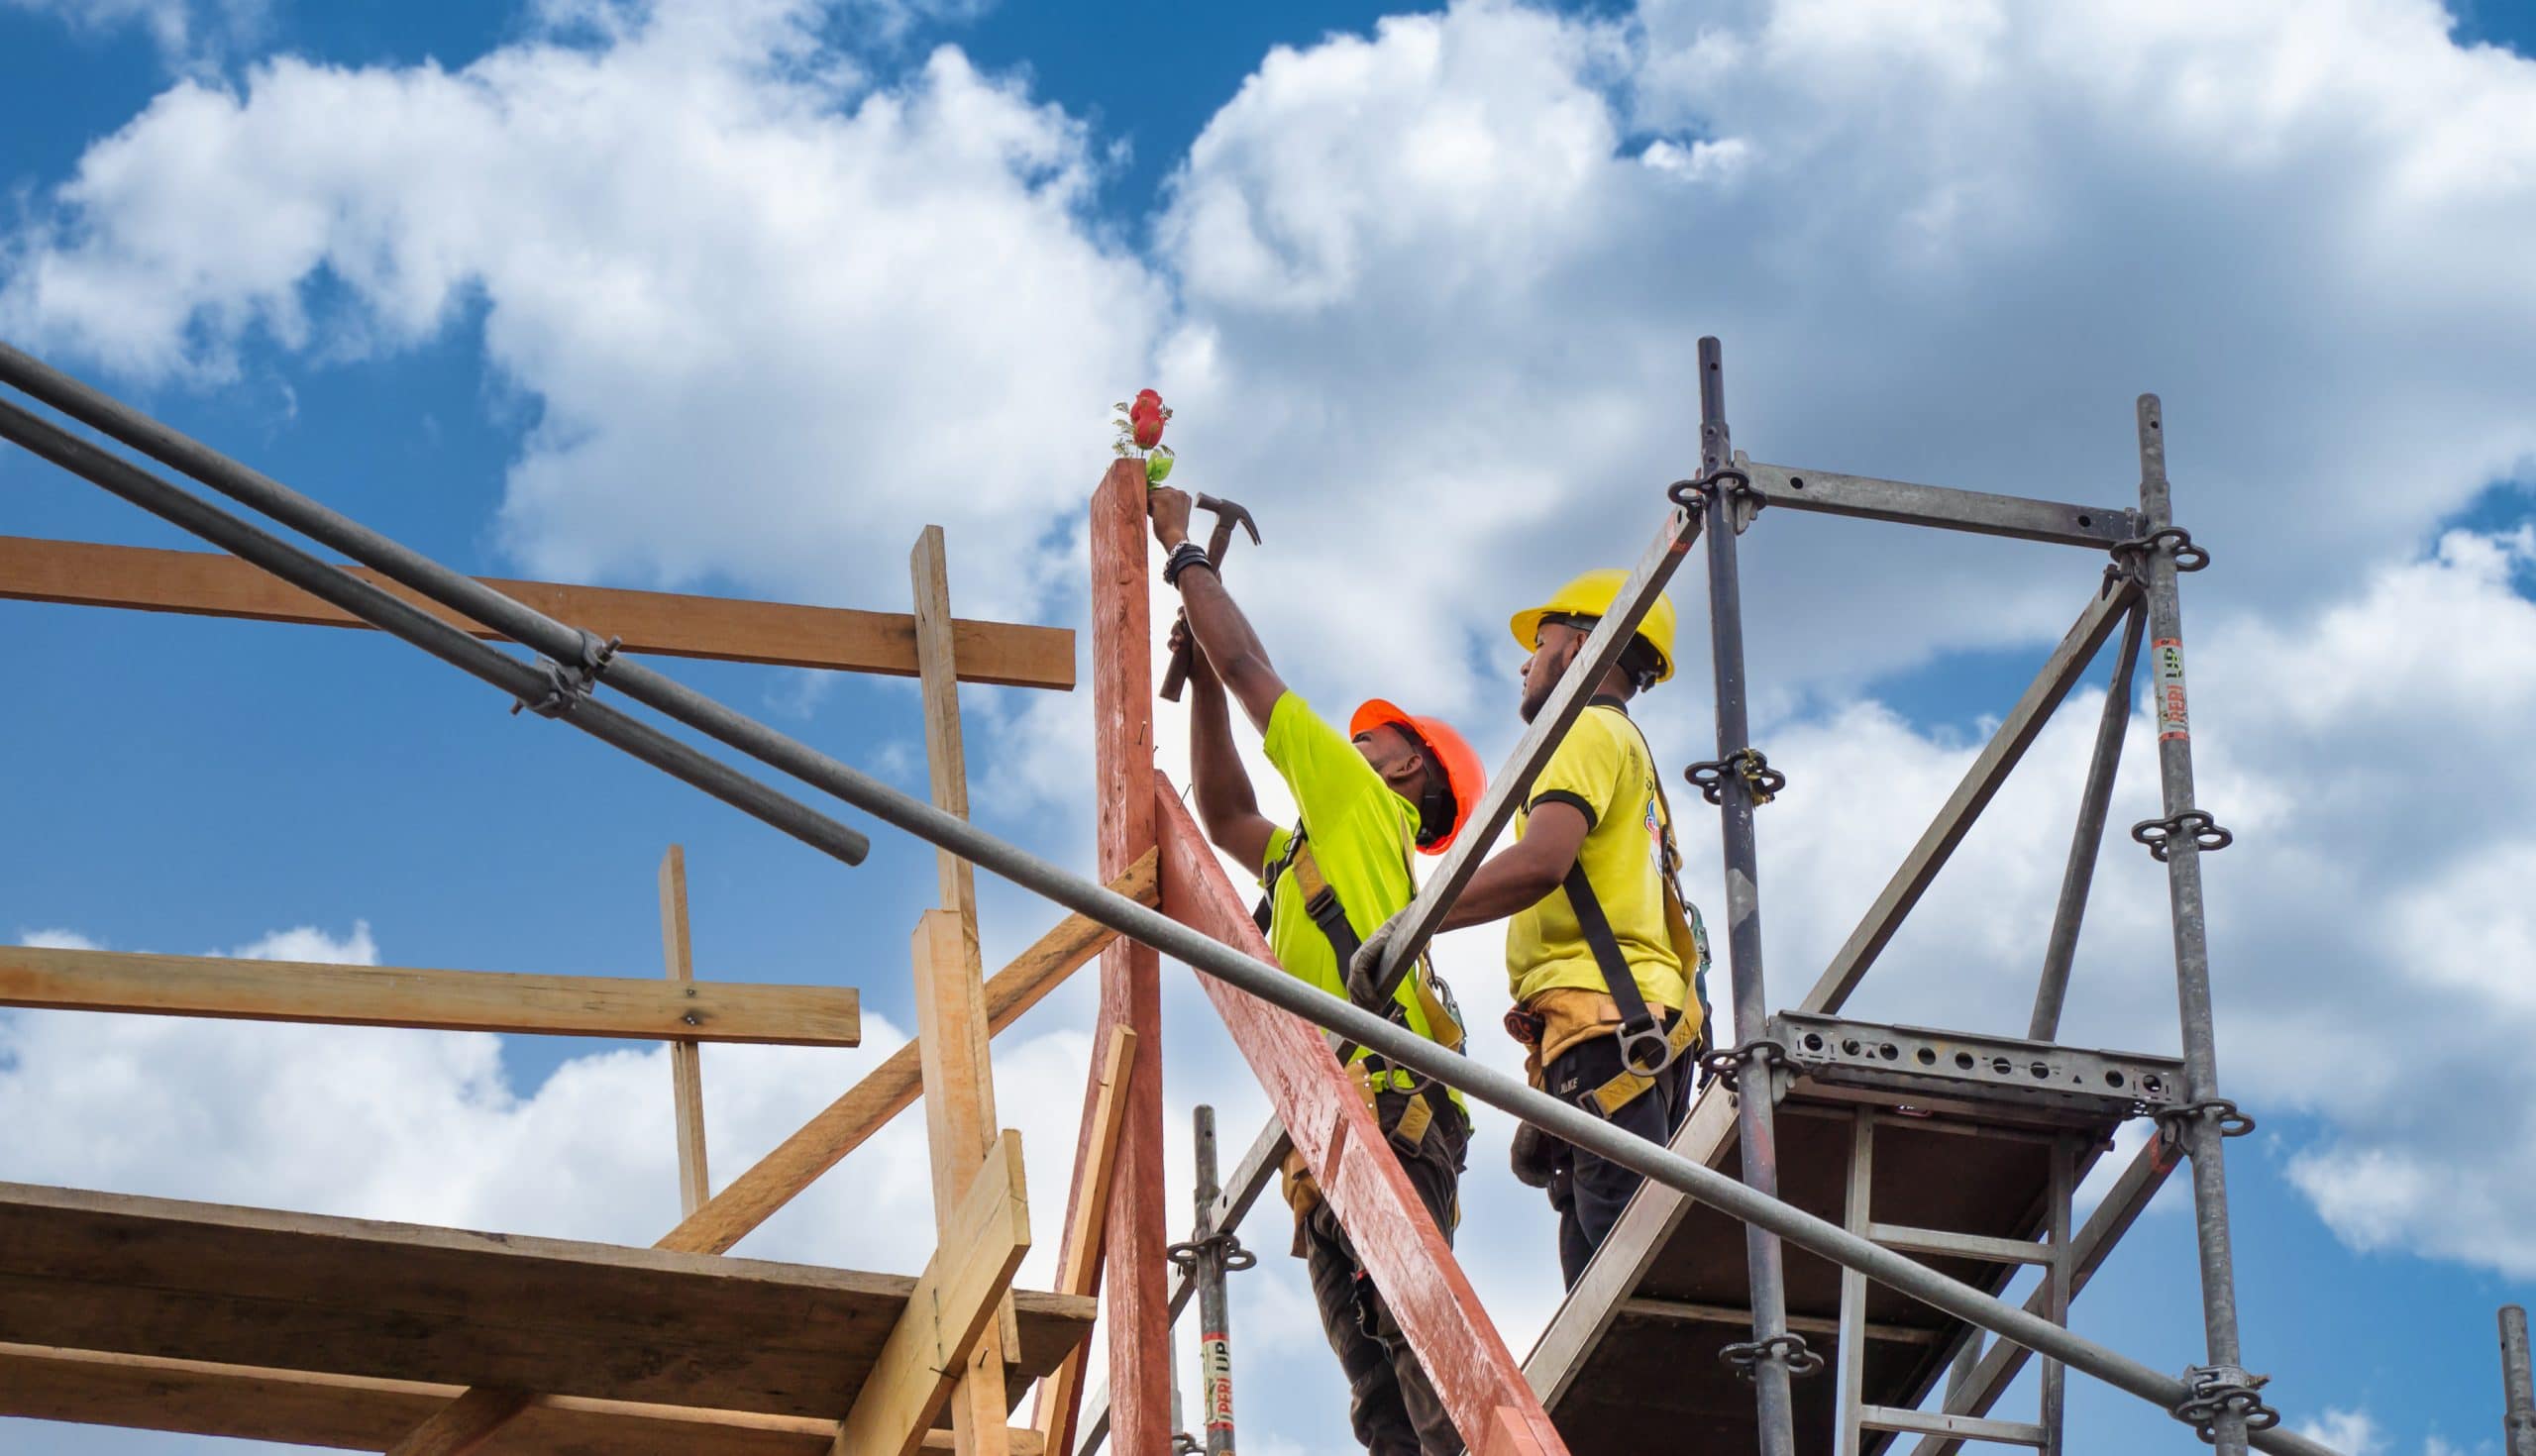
(1229, 514)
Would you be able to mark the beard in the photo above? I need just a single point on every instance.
(1535, 699)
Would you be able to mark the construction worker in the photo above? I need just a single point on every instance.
(1607, 960)
(1363, 799)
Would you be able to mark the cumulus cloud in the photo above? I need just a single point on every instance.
(57, 939)
(2348, 1431)
(1428, 296)
(770, 319)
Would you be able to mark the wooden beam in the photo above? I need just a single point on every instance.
(981, 1404)
(352, 1412)
(951, 1310)
(443, 1000)
(960, 1137)
(946, 752)
(842, 1126)
(662, 623)
(1135, 1235)
(686, 1064)
(1079, 1266)
(184, 1281)
(1396, 1242)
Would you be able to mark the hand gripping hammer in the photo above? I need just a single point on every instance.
(1229, 514)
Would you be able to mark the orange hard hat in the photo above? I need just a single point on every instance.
(1462, 771)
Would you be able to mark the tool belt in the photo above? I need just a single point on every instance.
(1646, 1048)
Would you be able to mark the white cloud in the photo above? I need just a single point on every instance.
(1947, 243)
(2351, 1433)
(57, 939)
(187, 32)
(310, 943)
(770, 319)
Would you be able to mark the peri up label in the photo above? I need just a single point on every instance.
(2172, 721)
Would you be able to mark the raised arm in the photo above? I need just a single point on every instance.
(1224, 636)
(1227, 809)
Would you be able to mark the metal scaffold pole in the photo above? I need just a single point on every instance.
(1773, 1353)
(2224, 1404)
(2518, 1384)
(1209, 1255)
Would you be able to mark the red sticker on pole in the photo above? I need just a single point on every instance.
(2172, 721)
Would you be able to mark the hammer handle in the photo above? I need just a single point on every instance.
(1176, 675)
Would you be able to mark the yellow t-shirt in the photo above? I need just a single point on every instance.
(1601, 768)
(1359, 833)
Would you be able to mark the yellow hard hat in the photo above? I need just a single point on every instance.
(1591, 596)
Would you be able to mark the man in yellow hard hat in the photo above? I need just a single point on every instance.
(1606, 959)
(1394, 779)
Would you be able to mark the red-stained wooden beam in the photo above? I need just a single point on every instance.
(1136, 1267)
(1482, 1386)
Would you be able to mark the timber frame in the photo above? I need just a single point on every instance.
(431, 1342)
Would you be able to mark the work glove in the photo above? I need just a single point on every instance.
(1531, 1154)
(1364, 972)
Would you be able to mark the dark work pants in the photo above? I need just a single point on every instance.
(1392, 1405)
(1588, 1192)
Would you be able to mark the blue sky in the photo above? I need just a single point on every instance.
(1423, 281)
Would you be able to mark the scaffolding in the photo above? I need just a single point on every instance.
(1816, 1133)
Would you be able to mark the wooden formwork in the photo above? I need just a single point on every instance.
(176, 1315)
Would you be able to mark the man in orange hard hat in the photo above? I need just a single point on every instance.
(1606, 959)
(1363, 800)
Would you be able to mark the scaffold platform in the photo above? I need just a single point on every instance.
(1960, 1171)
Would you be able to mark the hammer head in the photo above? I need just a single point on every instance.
(1229, 513)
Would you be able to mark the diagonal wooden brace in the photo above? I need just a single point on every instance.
(1476, 1376)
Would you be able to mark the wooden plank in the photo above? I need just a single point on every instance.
(1421, 1283)
(2016, 733)
(946, 754)
(1078, 1267)
(661, 623)
(980, 1405)
(443, 1000)
(306, 1408)
(821, 1143)
(686, 1064)
(467, 1424)
(184, 1281)
(1135, 1234)
(960, 1138)
(951, 1311)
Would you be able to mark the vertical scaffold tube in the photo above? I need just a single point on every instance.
(2518, 1384)
(2201, 1130)
(1215, 1330)
(1756, 1112)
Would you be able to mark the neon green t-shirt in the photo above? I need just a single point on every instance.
(1601, 768)
(1360, 834)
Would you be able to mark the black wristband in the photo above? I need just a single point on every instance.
(1184, 555)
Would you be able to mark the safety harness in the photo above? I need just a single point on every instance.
(1646, 1049)
(1434, 999)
